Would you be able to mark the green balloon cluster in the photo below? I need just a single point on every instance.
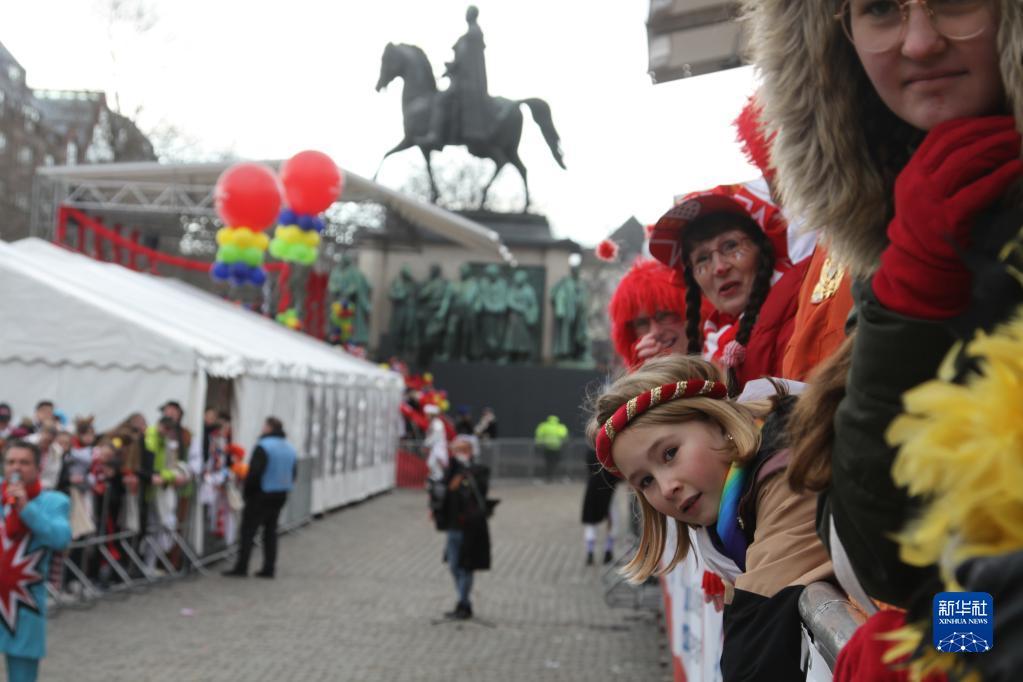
(295, 253)
(230, 254)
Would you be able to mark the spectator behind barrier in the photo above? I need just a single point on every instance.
(696, 457)
(35, 522)
(912, 175)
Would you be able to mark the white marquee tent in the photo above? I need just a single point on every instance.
(100, 339)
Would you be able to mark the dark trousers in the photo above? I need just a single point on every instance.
(262, 510)
(552, 458)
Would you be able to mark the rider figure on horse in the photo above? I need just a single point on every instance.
(465, 104)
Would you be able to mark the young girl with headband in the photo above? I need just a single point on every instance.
(712, 467)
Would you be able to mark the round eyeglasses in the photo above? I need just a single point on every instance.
(731, 249)
(881, 25)
(641, 325)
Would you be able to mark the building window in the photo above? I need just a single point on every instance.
(14, 73)
(49, 160)
(25, 155)
(72, 153)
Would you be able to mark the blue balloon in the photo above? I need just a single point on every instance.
(287, 217)
(238, 281)
(240, 271)
(220, 271)
(305, 221)
(257, 277)
(318, 224)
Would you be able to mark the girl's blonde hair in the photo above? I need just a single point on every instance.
(736, 420)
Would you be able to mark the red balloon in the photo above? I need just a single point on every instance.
(311, 181)
(248, 195)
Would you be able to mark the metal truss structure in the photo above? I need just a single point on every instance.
(154, 192)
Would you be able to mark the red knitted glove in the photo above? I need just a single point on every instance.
(960, 170)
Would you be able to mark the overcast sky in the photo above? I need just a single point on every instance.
(268, 79)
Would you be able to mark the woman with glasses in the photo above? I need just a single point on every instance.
(731, 245)
(896, 128)
(648, 314)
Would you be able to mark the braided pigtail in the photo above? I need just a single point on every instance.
(761, 288)
(694, 301)
(735, 352)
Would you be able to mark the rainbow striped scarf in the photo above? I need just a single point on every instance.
(733, 539)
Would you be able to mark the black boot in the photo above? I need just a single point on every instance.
(608, 557)
(589, 558)
(235, 573)
(461, 612)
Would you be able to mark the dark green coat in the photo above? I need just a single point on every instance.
(892, 354)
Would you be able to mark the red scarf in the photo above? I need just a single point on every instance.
(719, 329)
(13, 528)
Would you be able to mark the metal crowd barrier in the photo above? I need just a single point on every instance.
(521, 458)
(107, 564)
(829, 621)
(506, 457)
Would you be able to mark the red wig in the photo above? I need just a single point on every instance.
(649, 286)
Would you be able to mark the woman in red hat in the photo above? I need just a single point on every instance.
(731, 245)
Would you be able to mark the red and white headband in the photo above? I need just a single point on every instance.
(659, 395)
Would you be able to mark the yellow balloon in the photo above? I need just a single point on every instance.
(311, 238)
(289, 234)
(262, 241)
(243, 237)
(224, 236)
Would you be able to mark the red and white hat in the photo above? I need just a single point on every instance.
(748, 199)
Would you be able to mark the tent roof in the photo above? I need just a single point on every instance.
(450, 225)
(69, 309)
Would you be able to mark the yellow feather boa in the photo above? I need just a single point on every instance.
(962, 448)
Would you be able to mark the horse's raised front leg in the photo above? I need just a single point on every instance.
(400, 147)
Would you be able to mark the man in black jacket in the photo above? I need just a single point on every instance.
(272, 471)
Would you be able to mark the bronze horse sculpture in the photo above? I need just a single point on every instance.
(419, 99)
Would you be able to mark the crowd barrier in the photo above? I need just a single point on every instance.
(507, 458)
(105, 564)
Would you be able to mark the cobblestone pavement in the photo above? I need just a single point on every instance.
(359, 596)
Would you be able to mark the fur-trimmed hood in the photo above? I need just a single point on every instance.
(837, 148)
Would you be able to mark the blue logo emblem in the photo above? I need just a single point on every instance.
(964, 622)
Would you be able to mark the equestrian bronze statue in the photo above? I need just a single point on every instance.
(465, 114)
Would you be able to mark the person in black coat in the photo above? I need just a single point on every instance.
(464, 517)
